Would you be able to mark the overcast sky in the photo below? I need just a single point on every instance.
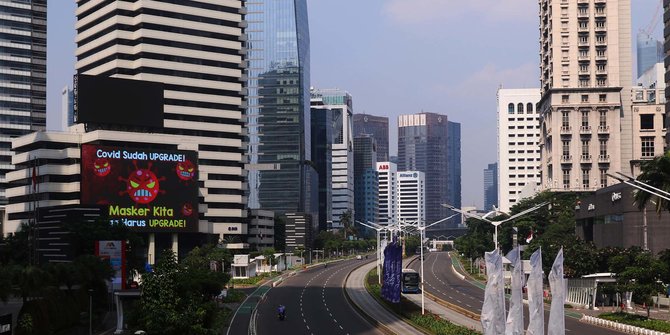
(402, 57)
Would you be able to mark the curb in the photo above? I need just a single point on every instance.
(384, 329)
(455, 308)
(628, 329)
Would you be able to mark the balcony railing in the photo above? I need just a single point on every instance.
(586, 159)
(603, 129)
(566, 130)
(566, 158)
(603, 158)
(585, 130)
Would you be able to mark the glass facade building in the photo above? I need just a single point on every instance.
(23, 76)
(454, 169)
(491, 186)
(322, 157)
(377, 127)
(649, 52)
(278, 113)
(366, 179)
(423, 145)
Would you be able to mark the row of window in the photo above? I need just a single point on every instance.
(519, 108)
(586, 178)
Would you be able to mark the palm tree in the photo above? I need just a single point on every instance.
(655, 172)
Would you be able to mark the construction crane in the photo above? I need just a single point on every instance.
(649, 29)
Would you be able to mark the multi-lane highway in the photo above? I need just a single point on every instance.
(315, 304)
(444, 284)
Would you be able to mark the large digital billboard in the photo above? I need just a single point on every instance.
(145, 189)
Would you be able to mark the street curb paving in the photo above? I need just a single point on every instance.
(628, 329)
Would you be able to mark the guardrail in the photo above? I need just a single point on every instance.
(628, 329)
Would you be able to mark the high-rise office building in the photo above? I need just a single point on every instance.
(377, 127)
(666, 44)
(491, 187)
(411, 196)
(649, 52)
(197, 51)
(388, 192)
(66, 109)
(278, 113)
(454, 168)
(322, 157)
(518, 149)
(23, 76)
(423, 145)
(366, 179)
(586, 75)
(340, 104)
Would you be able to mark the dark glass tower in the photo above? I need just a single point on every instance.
(279, 135)
(322, 157)
(366, 179)
(378, 128)
(454, 169)
(491, 187)
(423, 145)
(23, 74)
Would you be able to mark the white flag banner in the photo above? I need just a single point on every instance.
(556, 282)
(493, 310)
(535, 296)
(514, 324)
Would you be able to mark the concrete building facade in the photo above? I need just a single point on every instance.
(411, 196)
(388, 192)
(586, 74)
(518, 149)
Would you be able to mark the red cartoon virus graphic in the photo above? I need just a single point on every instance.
(142, 185)
(101, 167)
(185, 170)
(187, 209)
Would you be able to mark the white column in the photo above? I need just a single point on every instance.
(151, 250)
(175, 245)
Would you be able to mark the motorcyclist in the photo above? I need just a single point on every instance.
(281, 312)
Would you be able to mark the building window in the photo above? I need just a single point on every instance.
(565, 98)
(602, 119)
(585, 98)
(585, 149)
(566, 149)
(510, 108)
(585, 177)
(602, 98)
(565, 119)
(648, 146)
(647, 121)
(585, 119)
(566, 178)
(583, 82)
(519, 108)
(603, 178)
(603, 148)
(529, 108)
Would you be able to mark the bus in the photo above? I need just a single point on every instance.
(410, 281)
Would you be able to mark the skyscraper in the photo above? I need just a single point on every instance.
(388, 192)
(340, 103)
(491, 187)
(586, 76)
(377, 127)
(518, 149)
(423, 145)
(366, 179)
(411, 196)
(454, 168)
(322, 157)
(278, 114)
(24, 75)
(200, 60)
(649, 52)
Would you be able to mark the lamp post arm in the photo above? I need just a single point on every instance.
(639, 187)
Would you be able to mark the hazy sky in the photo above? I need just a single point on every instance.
(401, 57)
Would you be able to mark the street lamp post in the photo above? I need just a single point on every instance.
(496, 223)
(378, 228)
(90, 311)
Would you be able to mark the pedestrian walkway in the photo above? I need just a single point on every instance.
(239, 324)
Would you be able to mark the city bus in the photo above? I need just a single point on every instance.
(410, 281)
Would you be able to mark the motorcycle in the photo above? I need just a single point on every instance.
(281, 314)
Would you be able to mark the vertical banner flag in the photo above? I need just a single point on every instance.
(392, 272)
(114, 253)
(535, 302)
(493, 310)
(556, 282)
(514, 324)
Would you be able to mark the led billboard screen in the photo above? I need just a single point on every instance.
(148, 190)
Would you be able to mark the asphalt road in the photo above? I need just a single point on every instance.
(443, 283)
(315, 304)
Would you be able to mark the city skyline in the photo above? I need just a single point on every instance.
(457, 74)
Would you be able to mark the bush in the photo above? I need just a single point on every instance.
(638, 321)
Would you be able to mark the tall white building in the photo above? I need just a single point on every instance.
(341, 105)
(388, 192)
(518, 149)
(411, 196)
(586, 76)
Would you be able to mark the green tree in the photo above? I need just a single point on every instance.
(5, 283)
(30, 281)
(639, 272)
(655, 172)
(347, 221)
